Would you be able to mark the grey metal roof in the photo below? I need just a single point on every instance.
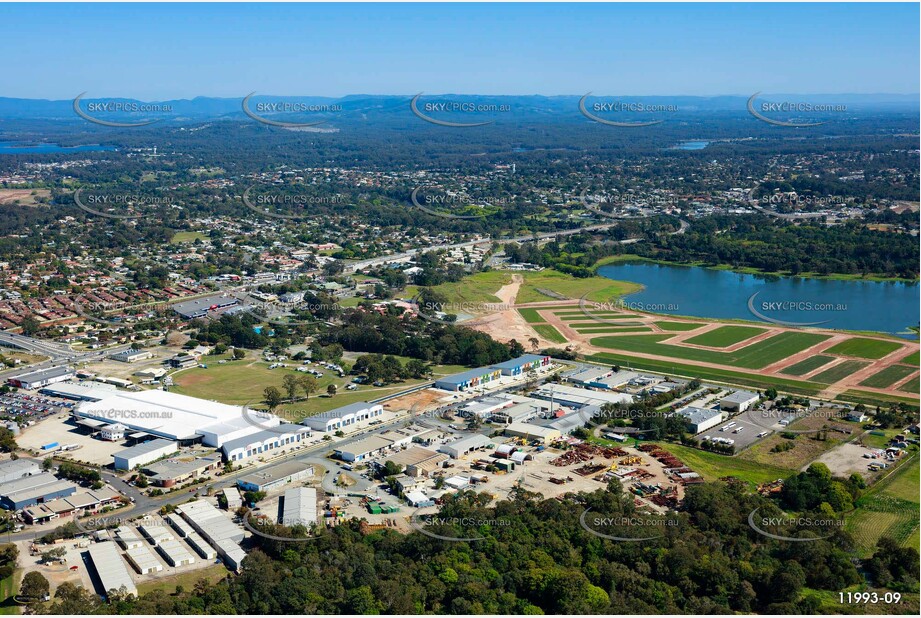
(112, 571)
(144, 448)
(300, 507)
(262, 436)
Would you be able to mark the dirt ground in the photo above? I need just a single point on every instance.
(23, 196)
(57, 429)
(846, 459)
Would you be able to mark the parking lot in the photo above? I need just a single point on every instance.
(743, 432)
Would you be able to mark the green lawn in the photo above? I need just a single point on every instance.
(678, 326)
(888, 376)
(477, 288)
(212, 574)
(615, 329)
(838, 372)
(531, 316)
(712, 466)
(673, 368)
(550, 333)
(754, 356)
(874, 399)
(725, 336)
(911, 359)
(588, 327)
(805, 366)
(583, 317)
(864, 348)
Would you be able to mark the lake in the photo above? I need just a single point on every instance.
(23, 148)
(888, 307)
(692, 145)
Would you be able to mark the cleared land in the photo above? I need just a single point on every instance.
(838, 372)
(713, 467)
(725, 336)
(864, 348)
(806, 446)
(755, 356)
(889, 376)
(807, 366)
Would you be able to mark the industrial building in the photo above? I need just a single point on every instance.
(300, 507)
(459, 448)
(113, 433)
(131, 355)
(172, 472)
(83, 501)
(360, 450)
(200, 307)
(38, 488)
(112, 573)
(264, 442)
(79, 391)
(589, 376)
(739, 401)
(143, 561)
(481, 376)
(577, 398)
(175, 417)
(144, 453)
(344, 417)
(217, 529)
(471, 378)
(38, 379)
(417, 461)
(185, 530)
(275, 477)
(700, 419)
(13, 469)
(533, 432)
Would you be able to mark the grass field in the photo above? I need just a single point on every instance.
(864, 348)
(805, 447)
(874, 399)
(581, 317)
(838, 372)
(725, 336)
(712, 466)
(912, 386)
(888, 376)
(477, 288)
(911, 359)
(549, 332)
(805, 366)
(672, 368)
(531, 316)
(614, 329)
(889, 509)
(754, 356)
(211, 574)
(678, 326)
(181, 237)
(242, 382)
(8, 588)
(599, 289)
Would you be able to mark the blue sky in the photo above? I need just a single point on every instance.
(171, 51)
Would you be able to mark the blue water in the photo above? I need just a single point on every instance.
(21, 148)
(692, 145)
(888, 307)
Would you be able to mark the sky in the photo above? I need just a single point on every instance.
(174, 51)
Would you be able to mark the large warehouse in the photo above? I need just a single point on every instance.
(26, 491)
(178, 418)
(112, 572)
(300, 507)
(700, 419)
(44, 377)
(264, 442)
(13, 469)
(573, 397)
(144, 453)
(344, 417)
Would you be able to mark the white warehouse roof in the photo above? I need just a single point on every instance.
(113, 574)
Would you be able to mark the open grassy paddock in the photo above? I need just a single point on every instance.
(889, 509)
(725, 336)
(864, 348)
(888, 376)
(806, 366)
(838, 372)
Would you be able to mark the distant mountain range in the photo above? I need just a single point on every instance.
(360, 107)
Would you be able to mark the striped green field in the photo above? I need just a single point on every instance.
(874, 399)
(614, 329)
(805, 366)
(725, 336)
(889, 376)
(583, 327)
(607, 315)
(531, 316)
(864, 348)
(678, 326)
(911, 359)
(549, 332)
(912, 386)
(755, 356)
(674, 368)
(838, 372)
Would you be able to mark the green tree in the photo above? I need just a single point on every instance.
(34, 586)
(272, 397)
